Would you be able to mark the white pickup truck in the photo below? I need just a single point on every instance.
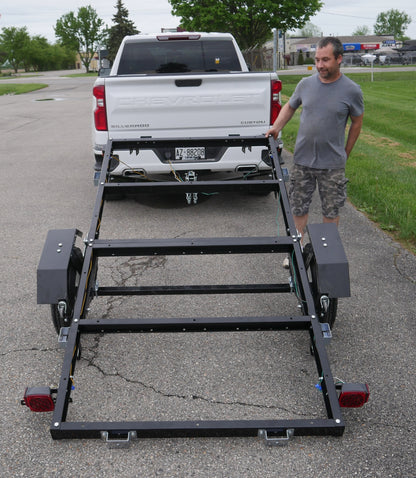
(183, 85)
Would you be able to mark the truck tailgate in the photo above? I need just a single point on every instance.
(201, 105)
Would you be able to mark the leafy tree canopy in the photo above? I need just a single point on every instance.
(251, 22)
(392, 22)
(14, 42)
(310, 30)
(361, 30)
(82, 32)
(121, 28)
(32, 53)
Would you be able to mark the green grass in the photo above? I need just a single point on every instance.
(17, 89)
(382, 166)
(81, 75)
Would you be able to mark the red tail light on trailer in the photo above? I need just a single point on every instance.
(275, 106)
(100, 113)
(39, 399)
(354, 395)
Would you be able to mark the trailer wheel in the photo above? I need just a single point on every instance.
(326, 307)
(62, 312)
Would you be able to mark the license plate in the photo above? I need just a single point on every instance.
(190, 153)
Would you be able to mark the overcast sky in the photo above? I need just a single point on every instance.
(335, 18)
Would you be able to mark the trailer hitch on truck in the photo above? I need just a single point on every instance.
(318, 277)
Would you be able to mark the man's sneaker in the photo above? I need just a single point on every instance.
(286, 263)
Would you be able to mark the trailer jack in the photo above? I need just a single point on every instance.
(67, 281)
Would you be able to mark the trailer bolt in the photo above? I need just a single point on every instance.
(325, 244)
(60, 244)
(56, 424)
(58, 250)
(337, 420)
(313, 316)
(323, 238)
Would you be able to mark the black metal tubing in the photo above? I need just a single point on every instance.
(171, 187)
(183, 246)
(194, 289)
(96, 248)
(203, 428)
(150, 143)
(196, 324)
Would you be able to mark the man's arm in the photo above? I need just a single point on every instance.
(285, 115)
(354, 132)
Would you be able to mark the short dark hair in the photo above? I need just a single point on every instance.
(335, 42)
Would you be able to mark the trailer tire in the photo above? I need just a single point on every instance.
(64, 318)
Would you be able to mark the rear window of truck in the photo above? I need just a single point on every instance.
(178, 56)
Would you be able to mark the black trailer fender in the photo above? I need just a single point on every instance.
(332, 272)
(52, 272)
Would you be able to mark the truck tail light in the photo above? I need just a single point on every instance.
(354, 395)
(39, 399)
(275, 106)
(100, 114)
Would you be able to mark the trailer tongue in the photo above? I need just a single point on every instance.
(319, 276)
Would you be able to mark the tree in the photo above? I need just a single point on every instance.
(121, 28)
(392, 22)
(14, 42)
(310, 30)
(41, 56)
(251, 22)
(361, 31)
(82, 33)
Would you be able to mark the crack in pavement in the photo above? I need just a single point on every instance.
(32, 349)
(212, 401)
(133, 268)
(91, 362)
(402, 254)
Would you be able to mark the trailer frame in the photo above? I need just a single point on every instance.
(326, 253)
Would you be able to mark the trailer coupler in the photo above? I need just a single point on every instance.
(191, 176)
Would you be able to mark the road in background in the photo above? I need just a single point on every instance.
(46, 183)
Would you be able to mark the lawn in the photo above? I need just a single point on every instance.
(18, 89)
(382, 166)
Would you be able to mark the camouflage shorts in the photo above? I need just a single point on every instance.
(332, 187)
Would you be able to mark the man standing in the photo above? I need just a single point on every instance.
(328, 99)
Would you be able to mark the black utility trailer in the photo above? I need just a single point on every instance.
(318, 277)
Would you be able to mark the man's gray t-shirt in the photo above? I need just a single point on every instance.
(326, 107)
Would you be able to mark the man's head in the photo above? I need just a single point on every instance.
(328, 57)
